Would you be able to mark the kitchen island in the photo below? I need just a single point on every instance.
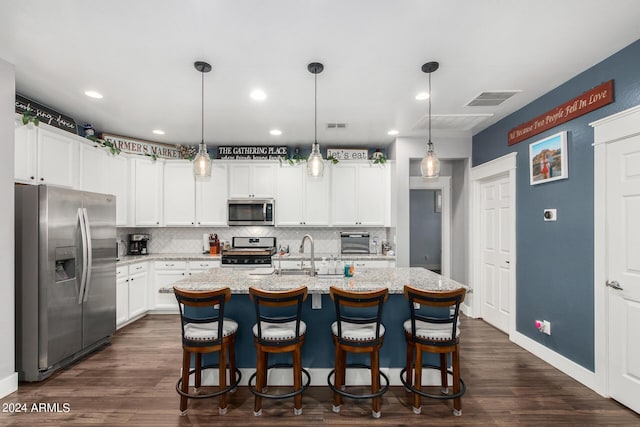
(318, 311)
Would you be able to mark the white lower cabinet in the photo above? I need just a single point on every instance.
(131, 293)
(169, 272)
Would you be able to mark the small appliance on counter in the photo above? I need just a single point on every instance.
(354, 242)
(249, 252)
(138, 244)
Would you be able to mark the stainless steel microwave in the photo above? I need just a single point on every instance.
(250, 211)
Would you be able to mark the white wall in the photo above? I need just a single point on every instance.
(8, 376)
(447, 146)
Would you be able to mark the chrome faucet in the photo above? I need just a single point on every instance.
(313, 263)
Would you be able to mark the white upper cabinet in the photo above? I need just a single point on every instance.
(94, 168)
(252, 179)
(301, 200)
(147, 185)
(57, 158)
(119, 185)
(211, 196)
(25, 154)
(179, 193)
(359, 194)
(46, 155)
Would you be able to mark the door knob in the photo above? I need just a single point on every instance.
(614, 284)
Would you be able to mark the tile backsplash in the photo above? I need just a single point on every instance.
(189, 240)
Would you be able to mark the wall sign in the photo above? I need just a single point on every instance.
(252, 152)
(139, 146)
(591, 100)
(46, 115)
(348, 153)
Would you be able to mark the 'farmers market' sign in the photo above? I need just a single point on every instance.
(139, 146)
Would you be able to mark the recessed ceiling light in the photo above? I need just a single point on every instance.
(158, 131)
(422, 96)
(393, 132)
(258, 95)
(275, 132)
(93, 94)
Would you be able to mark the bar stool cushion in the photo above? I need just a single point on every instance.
(279, 331)
(357, 331)
(432, 331)
(209, 331)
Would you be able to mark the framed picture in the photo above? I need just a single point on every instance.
(548, 159)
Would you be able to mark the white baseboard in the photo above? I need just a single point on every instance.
(567, 366)
(355, 376)
(8, 384)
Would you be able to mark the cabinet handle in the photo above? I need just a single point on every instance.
(158, 223)
(41, 179)
(192, 222)
(204, 265)
(183, 274)
(198, 222)
(33, 177)
(131, 279)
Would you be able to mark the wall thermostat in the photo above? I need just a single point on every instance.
(550, 215)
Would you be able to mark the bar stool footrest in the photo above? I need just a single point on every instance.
(410, 387)
(358, 396)
(252, 387)
(208, 395)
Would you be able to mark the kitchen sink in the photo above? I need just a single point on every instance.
(292, 272)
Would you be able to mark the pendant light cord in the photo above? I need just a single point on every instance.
(315, 108)
(429, 108)
(202, 110)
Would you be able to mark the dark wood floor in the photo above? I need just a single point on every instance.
(131, 383)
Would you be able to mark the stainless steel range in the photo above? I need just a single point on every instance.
(249, 252)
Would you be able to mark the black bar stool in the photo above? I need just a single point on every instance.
(206, 334)
(427, 332)
(279, 329)
(363, 333)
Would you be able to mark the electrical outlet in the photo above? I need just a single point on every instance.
(543, 326)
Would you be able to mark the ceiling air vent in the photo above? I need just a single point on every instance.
(336, 125)
(491, 99)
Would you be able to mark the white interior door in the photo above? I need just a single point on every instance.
(496, 209)
(623, 254)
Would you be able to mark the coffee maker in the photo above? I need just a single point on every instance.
(138, 244)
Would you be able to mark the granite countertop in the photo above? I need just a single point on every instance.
(132, 259)
(364, 279)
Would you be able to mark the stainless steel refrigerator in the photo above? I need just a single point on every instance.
(65, 276)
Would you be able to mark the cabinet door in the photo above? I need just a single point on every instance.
(196, 267)
(371, 195)
(138, 294)
(118, 170)
(343, 195)
(166, 301)
(57, 159)
(211, 197)
(289, 200)
(122, 301)
(263, 178)
(93, 169)
(147, 184)
(179, 193)
(316, 199)
(239, 180)
(25, 154)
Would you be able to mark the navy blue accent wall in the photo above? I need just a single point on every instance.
(555, 259)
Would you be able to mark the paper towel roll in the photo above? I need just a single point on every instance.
(205, 243)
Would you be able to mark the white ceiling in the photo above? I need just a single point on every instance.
(139, 55)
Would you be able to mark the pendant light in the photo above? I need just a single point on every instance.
(315, 163)
(430, 165)
(202, 162)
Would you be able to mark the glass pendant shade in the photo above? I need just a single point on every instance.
(202, 162)
(430, 165)
(315, 163)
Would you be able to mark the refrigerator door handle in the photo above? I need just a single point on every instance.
(83, 233)
(89, 253)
